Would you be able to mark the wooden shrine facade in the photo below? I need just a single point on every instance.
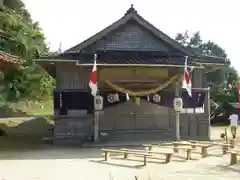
(135, 58)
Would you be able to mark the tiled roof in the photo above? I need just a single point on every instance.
(9, 58)
(76, 53)
(130, 15)
(113, 57)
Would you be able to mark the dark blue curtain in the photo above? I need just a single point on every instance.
(77, 99)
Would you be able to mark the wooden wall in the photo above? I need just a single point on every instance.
(70, 76)
(147, 118)
(197, 126)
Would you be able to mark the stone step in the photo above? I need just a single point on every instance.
(72, 131)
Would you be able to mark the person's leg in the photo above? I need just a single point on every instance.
(234, 130)
(236, 127)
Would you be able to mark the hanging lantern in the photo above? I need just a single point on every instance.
(156, 98)
(98, 103)
(178, 104)
(111, 98)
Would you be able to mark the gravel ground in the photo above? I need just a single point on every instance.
(88, 164)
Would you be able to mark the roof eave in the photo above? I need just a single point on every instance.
(139, 65)
(55, 60)
(211, 60)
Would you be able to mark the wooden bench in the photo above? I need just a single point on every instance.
(108, 151)
(168, 155)
(175, 149)
(194, 145)
(204, 148)
(150, 146)
(188, 150)
(223, 145)
(180, 143)
(233, 156)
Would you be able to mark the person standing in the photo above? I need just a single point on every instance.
(233, 124)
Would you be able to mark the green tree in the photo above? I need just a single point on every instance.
(19, 36)
(19, 7)
(218, 80)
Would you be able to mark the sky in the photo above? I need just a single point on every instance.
(72, 21)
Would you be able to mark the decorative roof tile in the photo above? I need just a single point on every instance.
(9, 58)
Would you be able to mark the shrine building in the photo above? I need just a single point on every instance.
(135, 60)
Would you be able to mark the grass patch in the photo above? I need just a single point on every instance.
(34, 108)
(26, 108)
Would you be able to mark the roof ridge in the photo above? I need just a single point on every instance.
(130, 14)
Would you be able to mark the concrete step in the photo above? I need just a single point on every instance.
(72, 131)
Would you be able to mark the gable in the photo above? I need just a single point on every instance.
(131, 33)
(134, 38)
(131, 37)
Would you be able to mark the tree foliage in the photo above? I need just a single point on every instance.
(217, 80)
(19, 7)
(20, 36)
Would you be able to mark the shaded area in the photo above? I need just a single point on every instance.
(45, 152)
(3, 133)
(20, 134)
(6, 112)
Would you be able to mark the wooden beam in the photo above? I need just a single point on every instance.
(141, 65)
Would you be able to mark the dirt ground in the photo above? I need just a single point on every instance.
(88, 164)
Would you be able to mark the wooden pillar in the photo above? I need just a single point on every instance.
(96, 126)
(98, 105)
(177, 115)
(207, 111)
